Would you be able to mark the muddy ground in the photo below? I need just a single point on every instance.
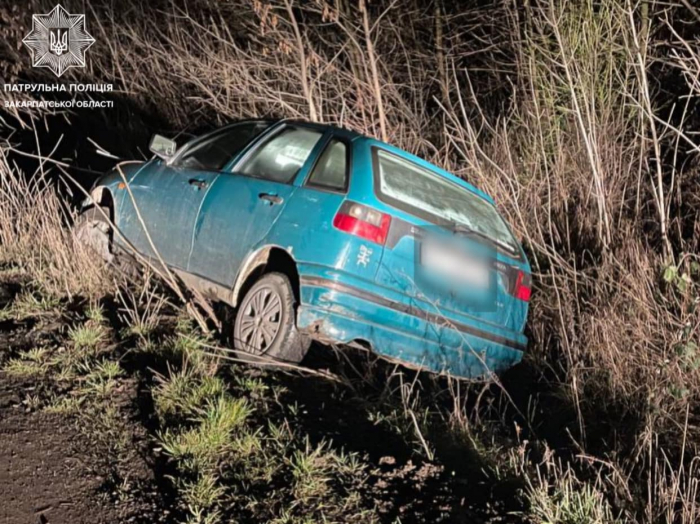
(52, 472)
(105, 465)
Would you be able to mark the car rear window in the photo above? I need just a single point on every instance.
(426, 194)
(331, 170)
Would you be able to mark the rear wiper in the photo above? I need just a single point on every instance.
(468, 231)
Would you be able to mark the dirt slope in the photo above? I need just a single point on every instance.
(52, 472)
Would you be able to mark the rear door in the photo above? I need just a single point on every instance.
(307, 226)
(243, 205)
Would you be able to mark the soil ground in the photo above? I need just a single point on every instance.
(70, 468)
(50, 470)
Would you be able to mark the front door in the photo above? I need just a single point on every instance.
(168, 195)
(162, 208)
(242, 206)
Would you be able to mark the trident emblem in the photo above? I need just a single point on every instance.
(59, 41)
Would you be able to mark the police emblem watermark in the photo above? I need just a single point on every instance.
(58, 40)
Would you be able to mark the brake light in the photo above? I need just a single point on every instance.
(363, 221)
(523, 289)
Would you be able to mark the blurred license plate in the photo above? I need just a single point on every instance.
(454, 263)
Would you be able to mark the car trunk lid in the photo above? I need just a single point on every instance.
(448, 248)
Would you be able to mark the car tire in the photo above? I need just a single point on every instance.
(93, 229)
(265, 324)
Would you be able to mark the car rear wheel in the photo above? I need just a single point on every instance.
(265, 324)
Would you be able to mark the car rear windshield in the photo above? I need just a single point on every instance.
(428, 195)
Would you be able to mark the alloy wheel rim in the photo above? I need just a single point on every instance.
(260, 321)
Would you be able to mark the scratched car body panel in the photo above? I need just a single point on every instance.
(356, 217)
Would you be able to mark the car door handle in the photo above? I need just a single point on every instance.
(272, 199)
(198, 183)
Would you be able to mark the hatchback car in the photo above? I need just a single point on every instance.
(314, 232)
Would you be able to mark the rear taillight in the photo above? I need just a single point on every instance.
(523, 286)
(363, 221)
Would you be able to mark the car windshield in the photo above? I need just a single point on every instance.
(218, 149)
(426, 194)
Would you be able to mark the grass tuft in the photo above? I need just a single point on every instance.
(183, 393)
(203, 493)
(203, 446)
(309, 468)
(30, 304)
(88, 338)
(64, 405)
(18, 367)
(566, 500)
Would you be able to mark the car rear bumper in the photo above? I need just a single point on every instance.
(336, 308)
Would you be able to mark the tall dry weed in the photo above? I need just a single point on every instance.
(35, 236)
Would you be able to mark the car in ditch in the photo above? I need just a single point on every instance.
(311, 231)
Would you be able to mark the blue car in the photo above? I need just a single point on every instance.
(313, 232)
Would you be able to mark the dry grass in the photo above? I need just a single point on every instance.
(34, 236)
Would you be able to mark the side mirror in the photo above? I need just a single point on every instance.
(162, 147)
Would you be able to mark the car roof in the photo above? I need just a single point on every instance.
(340, 131)
(353, 135)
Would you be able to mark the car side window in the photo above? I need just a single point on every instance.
(214, 153)
(331, 170)
(281, 158)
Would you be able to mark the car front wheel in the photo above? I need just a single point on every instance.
(265, 324)
(92, 229)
